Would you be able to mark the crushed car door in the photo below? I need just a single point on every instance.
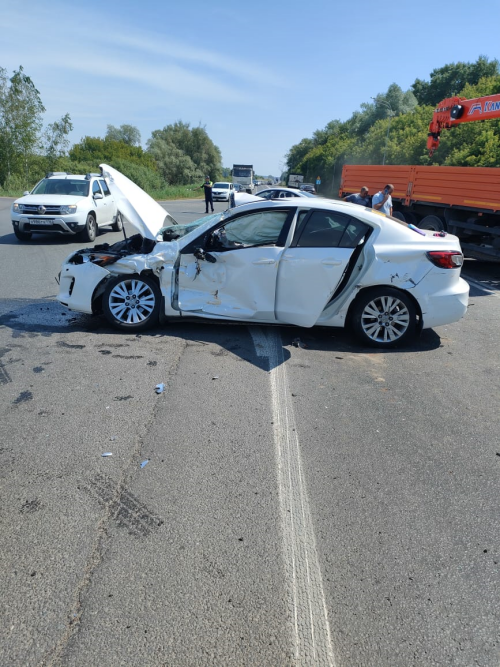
(314, 264)
(234, 274)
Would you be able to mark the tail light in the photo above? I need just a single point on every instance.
(446, 259)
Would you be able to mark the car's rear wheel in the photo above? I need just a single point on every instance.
(90, 231)
(22, 236)
(132, 303)
(384, 317)
(117, 226)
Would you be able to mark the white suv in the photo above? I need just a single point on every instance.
(221, 191)
(63, 203)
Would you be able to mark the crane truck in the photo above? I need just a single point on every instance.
(464, 201)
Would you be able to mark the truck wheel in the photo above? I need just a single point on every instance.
(383, 317)
(132, 303)
(432, 222)
(117, 226)
(90, 231)
(22, 236)
(399, 216)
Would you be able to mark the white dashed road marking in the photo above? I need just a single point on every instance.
(311, 631)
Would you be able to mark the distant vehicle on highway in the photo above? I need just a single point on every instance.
(238, 187)
(295, 180)
(243, 174)
(221, 191)
(308, 187)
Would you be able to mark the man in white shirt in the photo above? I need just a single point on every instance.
(382, 201)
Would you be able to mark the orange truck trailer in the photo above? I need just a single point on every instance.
(464, 201)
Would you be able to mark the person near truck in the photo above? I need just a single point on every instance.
(208, 194)
(362, 198)
(382, 201)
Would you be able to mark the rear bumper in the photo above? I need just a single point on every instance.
(444, 306)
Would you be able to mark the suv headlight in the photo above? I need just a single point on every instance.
(68, 210)
(18, 208)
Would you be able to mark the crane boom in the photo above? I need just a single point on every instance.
(456, 110)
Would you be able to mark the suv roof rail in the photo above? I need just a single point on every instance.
(56, 173)
(91, 175)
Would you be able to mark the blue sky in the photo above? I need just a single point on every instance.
(260, 76)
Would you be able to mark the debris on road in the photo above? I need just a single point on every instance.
(296, 342)
(215, 377)
(144, 463)
(107, 454)
(159, 388)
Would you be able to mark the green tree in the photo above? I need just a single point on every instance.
(56, 140)
(96, 150)
(451, 79)
(183, 153)
(21, 111)
(129, 134)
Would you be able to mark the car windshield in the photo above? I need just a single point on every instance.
(173, 232)
(221, 185)
(62, 186)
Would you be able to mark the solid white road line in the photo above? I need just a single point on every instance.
(311, 630)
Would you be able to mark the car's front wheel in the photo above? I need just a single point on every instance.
(384, 317)
(90, 231)
(22, 236)
(132, 303)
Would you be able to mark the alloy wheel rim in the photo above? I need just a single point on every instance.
(131, 301)
(385, 319)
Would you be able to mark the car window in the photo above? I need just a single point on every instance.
(95, 188)
(221, 186)
(262, 228)
(105, 188)
(329, 229)
(265, 194)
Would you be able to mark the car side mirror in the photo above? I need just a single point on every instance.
(98, 195)
(26, 192)
(200, 254)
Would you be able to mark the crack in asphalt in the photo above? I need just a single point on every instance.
(112, 510)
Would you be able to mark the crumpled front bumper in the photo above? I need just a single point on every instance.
(78, 283)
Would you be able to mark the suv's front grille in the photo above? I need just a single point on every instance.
(33, 209)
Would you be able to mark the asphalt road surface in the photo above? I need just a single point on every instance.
(316, 505)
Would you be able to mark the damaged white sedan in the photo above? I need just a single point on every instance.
(305, 262)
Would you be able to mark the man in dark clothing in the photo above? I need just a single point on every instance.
(208, 194)
(363, 198)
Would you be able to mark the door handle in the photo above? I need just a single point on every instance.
(263, 261)
(331, 262)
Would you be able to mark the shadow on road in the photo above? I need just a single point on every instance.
(45, 317)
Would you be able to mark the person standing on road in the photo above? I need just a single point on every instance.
(208, 194)
(362, 199)
(382, 201)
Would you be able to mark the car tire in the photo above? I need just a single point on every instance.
(117, 226)
(132, 302)
(22, 236)
(383, 317)
(432, 222)
(89, 232)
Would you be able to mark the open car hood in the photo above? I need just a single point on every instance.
(141, 210)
